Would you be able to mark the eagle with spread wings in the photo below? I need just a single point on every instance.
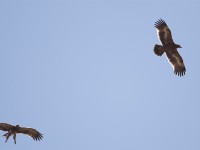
(169, 47)
(13, 130)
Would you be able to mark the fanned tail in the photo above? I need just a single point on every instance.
(158, 50)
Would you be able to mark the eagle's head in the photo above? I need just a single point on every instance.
(17, 126)
(178, 46)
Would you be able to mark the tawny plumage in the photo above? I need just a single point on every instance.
(169, 47)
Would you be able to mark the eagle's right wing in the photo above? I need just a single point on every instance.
(163, 31)
(31, 132)
(5, 126)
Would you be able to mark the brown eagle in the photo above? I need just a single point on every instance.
(13, 130)
(169, 47)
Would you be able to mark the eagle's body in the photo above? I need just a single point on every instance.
(169, 47)
(13, 130)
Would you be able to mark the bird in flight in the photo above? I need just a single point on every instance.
(169, 47)
(13, 130)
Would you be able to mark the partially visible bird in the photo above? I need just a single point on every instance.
(13, 130)
(169, 47)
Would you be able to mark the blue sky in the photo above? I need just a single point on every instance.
(84, 74)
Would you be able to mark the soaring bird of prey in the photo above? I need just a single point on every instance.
(169, 47)
(13, 130)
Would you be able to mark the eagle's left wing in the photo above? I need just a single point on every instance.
(176, 61)
(5, 126)
(31, 132)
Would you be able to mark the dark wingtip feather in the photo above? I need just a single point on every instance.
(180, 73)
(38, 137)
(159, 22)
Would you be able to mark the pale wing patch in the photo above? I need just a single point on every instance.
(158, 35)
(170, 62)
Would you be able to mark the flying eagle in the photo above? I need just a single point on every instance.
(13, 130)
(169, 47)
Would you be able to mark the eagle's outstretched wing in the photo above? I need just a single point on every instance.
(5, 127)
(176, 61)
(163, 31)
(31, 132)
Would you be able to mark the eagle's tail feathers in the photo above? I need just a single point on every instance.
(158, 50)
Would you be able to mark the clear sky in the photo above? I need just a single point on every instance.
(84, 74)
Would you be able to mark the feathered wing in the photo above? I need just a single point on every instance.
(176, 61)
(31, 132)
(5, 127)
(163, 31)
